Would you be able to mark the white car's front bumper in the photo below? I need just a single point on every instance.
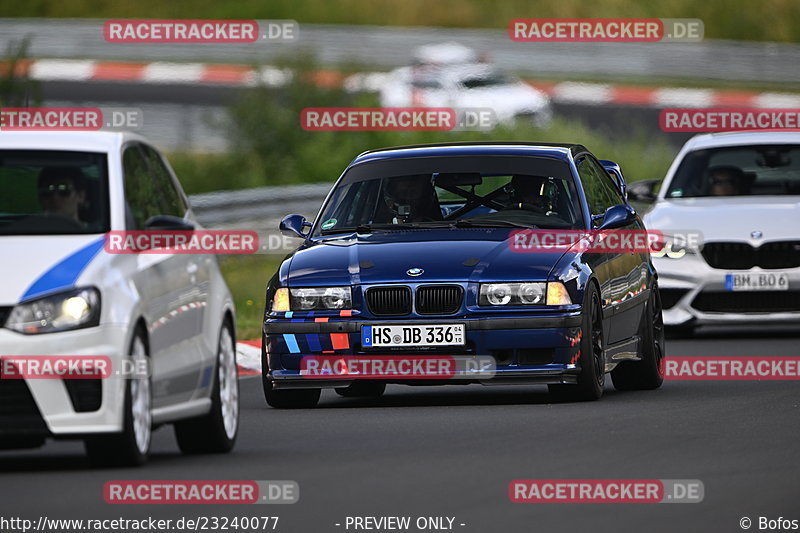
(694, 293)
(51, 396)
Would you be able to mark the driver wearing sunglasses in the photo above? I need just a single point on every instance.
(62, 191)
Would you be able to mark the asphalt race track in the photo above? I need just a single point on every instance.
(452, 451)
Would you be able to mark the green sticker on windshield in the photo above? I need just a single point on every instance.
(328, 224)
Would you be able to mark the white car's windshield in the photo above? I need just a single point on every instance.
(53, 192)
(492, 79)
(738, 171)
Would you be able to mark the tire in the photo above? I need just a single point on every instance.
(130, 447)
(216, 431)
(591, 379)
(646, 374)
(290, 399)
(363, 389)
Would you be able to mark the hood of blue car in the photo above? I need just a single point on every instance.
(457, 254)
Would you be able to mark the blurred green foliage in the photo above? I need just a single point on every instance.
(16, 89)
(270, 147)
(763, 20)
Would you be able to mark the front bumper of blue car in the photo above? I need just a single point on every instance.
(541, 347)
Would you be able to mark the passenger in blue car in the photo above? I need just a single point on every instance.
(411, 199)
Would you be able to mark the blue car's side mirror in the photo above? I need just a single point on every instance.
(293, 226)
(618, 216)
(615, 171)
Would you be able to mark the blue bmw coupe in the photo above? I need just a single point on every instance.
(412, 255)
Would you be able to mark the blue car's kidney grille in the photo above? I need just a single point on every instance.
(439, 299)
(388, 301)
(740, 255)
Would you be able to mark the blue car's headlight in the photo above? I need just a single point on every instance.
(74, 309)
(529, 293)
(320, 298)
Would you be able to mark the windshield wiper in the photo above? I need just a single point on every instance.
(463, 223)
(369, 228)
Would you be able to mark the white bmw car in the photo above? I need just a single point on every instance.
(741, 192)
(63, 295)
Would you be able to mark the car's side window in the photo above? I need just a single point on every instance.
(141, 195)
(600, 192)
(170, 199)
(609, 182)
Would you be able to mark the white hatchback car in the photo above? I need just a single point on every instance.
(64, 295)
(475, 86)
(741, 191)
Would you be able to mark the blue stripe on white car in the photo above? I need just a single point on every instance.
(65, 273)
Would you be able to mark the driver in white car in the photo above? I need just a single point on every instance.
(62, 191)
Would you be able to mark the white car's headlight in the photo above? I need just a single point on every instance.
(73, 309)
(320, 298)
(529, 293)
(677, 246)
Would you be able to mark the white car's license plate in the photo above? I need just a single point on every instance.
(416, 335)
(757, 281)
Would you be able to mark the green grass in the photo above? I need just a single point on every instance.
(321, 156)
(764, 20)
(762, 85)
(272, 149)
(247, 277)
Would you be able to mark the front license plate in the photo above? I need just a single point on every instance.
(421, 335)
(757, 281)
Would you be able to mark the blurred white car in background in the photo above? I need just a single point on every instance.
(473, 86)
(63, 294)
(450, 53)
(742, 192)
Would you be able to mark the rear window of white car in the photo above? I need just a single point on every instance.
(738, 171)
(49, 192)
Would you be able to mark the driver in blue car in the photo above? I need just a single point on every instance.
(412, 199)
(531, 193)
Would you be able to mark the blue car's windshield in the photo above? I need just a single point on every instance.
(534, 197)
